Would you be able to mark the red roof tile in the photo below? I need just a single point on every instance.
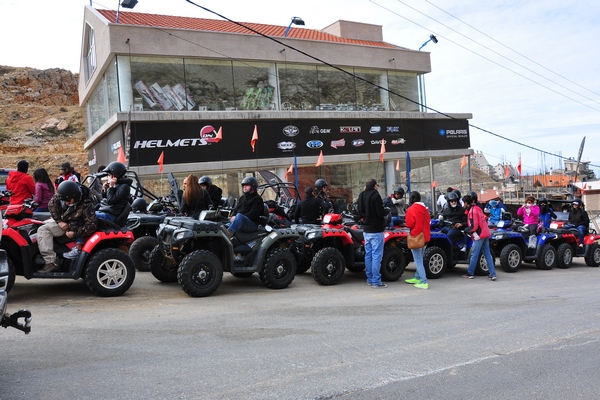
(202, 24)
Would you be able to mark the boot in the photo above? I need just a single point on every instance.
(50, 267)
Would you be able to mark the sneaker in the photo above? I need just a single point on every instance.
(463, 248)
(379, 285)
(369, 283)
(412, 281)
(492, 278)
(50, 267)
(467, 276)
(581, 245)
(422, 285)
(74, 253)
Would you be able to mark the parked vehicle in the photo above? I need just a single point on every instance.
(567, 245)
(6, 319)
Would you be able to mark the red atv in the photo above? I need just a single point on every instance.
(566, 244)
(103, 262)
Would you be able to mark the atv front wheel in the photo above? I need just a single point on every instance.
(279, 269)
(200, 273)
(564, 255)
(435, 262)
(547, 258)
(593, 260)
(109, 272)
(392, 264)
(328, 266)
(140, 252)
(163, 269)
(11, 275)
(511, 258)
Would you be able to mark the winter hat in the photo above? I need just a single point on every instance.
(23, 166)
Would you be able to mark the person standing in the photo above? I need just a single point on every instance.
(20, 184)
(44, 189)
(310, 209)
(418, 220)
(195, 197)
(370, 207)
(480, 233)
(397, 205)
(580, 218)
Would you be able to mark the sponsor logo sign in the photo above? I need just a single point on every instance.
(358, 142)
(399, 141)
(209, 134)
(350, 129)
(375, 130)
(392, 129)
(314, 144)
(454, 133)
(338, 143)
(158, 144)
(316, 130)
(378, 141)
(291, 131)
(286, 145)
(115, 146)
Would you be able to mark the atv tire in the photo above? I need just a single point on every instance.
(511, 258)
(435, 262)
(279, 269)
(109, 272)
(11, 275)
(481, 268)
(593, 260)
(164, 270)
(564, 255)
(200, 273)
(328, 266)
(392, 264)
(140, 252)
(547, 258)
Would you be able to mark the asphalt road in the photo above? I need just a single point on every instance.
(530, 335)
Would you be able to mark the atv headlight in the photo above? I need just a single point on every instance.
(311, 235)
(182, 234)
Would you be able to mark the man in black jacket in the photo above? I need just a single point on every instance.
(311, 209)
(246, 214)
(117, 192)
(370, 207)
(215, 192)
(456, 216)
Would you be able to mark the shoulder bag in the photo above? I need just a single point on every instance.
(417, 241)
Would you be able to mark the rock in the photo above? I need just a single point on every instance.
(62, 126)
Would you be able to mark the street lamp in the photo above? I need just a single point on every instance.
(421, 78)
(125, 4)
(295, 21)
(431, 38)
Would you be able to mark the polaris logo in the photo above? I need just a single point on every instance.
(350, 129)
(291, 131)
(338, 143)
(358, 142)
(375, 130)
(314, 144)
(157, 144)
(286, 145)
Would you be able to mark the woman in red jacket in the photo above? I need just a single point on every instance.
(417, 219)
(480, 233)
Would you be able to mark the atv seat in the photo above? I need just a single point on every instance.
(357, 234)
(264, 218)
(246, 237)
(121, 219)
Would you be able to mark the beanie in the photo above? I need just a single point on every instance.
(23, 166)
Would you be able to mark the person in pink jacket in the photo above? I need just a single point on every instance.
(480, 233)
(530, 213)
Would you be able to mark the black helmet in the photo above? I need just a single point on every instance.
(452, 196)
(399, 190)
(205, 180)
(139, 204)
(455, 191)
(473, 195)
(320, 184)
(116, 168)
(542, 200)
(68, 190)
(249, 180)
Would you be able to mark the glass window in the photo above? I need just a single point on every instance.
(298, 84)
(112, 88)
(404, 84)
(335, 88)
(367, 95)
(96, 110)
(209, 84)
(158, 83)
(253, 86)
(90, 52)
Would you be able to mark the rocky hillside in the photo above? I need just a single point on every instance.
(40, 119)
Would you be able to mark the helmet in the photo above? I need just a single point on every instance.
(249, 180)
(205, 180)
(68, 190)
(116, 168)
(399, 190)
(542, 200)
(452, 196)
(139, 204)
(457, 193)
(473, 195)
(320, 184)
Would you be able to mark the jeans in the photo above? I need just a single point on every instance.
(373, 256)
(582, 231)
(418, 258)
(478, 246)
(243, 223)
(105, 216)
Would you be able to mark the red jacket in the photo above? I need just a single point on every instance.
(21, 185)
(417, 219)
(477, 222)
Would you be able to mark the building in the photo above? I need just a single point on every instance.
(178, 81)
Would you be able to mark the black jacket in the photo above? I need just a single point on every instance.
(117, 197)
(370, 207)
(251, 205)
(193, 210)
(310, 210)
(216, 194)
(455, 215)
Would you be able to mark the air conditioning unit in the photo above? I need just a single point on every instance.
(202, 108)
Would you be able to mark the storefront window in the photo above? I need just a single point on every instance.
(368, 96)
(255, 89)
(112, 88)
(298, 84)
(158, 84)
(209, 84)
(404, 84)
(96, 110)
(336, 88)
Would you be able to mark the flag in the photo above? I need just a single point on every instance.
(382, 151)
(398, 165)
(506, 171)
(434, 184)
(320, 160)
(219, 135)
(519, 166)
(296, 172)
(289, 171)
(463, 163)
(584, 186)
(160, 161)
(408, 172)
(121, 156)
(254, 137)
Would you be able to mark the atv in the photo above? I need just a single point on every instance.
(196, 252)
(103, 262)
(10, 320)
(566, 244)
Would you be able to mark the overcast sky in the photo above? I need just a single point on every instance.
(526, 69)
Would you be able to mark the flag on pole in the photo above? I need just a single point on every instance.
(382, 151)
(289, 171)
(219, 135)
(519, 166)
(463, 163)
(408, 172)
(320, 160)
(434, 184)
(254, 137)
(121, 156)
(584, 186)
(398, 165)
(506, 171)
(160, 161)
